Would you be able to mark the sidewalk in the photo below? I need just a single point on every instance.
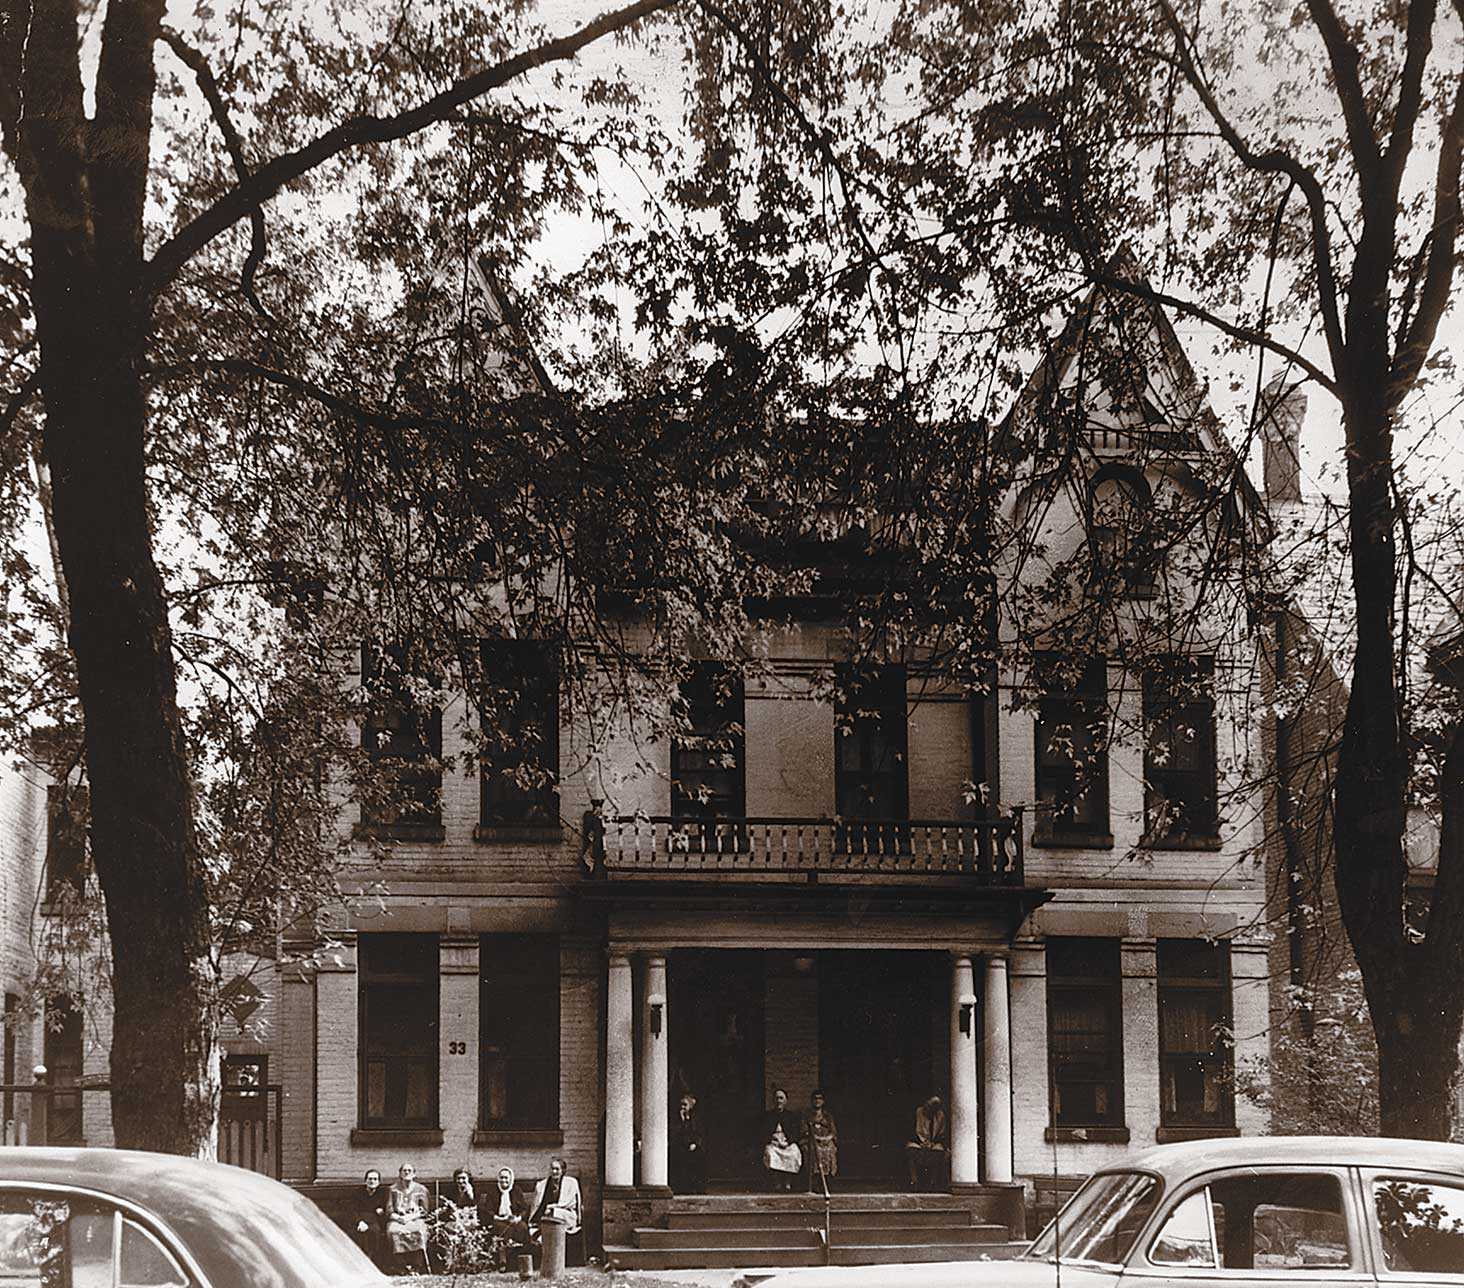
(586, 1277)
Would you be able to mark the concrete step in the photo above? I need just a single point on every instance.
(764, 1236)
(729, 1217)
(865, 1254)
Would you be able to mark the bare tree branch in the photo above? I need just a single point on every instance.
(1439, 276)
(1344, 58)
(208, 84)
(1418, 44)
(360, 131)
(1245, 334)
(1274, 161)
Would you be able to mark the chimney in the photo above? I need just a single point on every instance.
(1283, 408)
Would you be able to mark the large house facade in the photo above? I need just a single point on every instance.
(866, 880)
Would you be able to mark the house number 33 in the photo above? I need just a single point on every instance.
(457, 1048)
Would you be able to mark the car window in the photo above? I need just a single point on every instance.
(1421, 1225)
(145, 1263)
(1101, 1221)
(1186, 1238)
(42, 1238)
(1262, 1220)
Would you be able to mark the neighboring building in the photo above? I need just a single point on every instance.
(799, 893)
(58, 1012)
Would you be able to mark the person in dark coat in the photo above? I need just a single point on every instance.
(688, 1150)
(368, 1217)
(782, 1129)
(503, 1212)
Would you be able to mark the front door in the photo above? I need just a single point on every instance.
(716, 1034)
(878, 1016)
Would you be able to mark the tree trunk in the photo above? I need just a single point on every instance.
(84, 205)
(1418, 1060)
(144, 844)
(1415, 991)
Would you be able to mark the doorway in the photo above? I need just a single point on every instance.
(883, 1035)
(716, 1035)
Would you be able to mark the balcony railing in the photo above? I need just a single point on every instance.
(989, 850)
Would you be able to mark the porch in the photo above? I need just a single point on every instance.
(876, 1029)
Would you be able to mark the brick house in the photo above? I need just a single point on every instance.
(800, 893)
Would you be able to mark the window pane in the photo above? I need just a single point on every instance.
(871, 778)
(1194, 1018)
(1072, 745)
(50, 1242)
(144, 1263)
(1421, 1224)
(518, 1032)
(403, 736)
(399, 1025)
(708, 776)
(519, 711)
(1085, 1029)
(1185, 1239)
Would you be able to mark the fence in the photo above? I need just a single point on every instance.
(249, 1120)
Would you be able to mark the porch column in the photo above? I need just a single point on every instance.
(653, 1075)
(996, 1039)
(964, 1116)
(619, 1076)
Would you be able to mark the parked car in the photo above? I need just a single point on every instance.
(1324, 1210)
(116, 1218)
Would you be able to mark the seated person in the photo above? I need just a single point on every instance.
(556, 1197)
(504, 1213)
(926, 1154)
(368, 1218)
(406, 1220)
(463, 1194)
(781, 1130)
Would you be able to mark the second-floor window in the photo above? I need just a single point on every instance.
(403, 736)
(1179, 750)
(871, 767)
(1072, 747)
(1085, 1032)
(66, 822)
(398, 1040)
(708, 769)
(519, 708)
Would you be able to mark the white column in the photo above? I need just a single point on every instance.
(964, 1116)
(619, 1075)
(653, 1075)
(996, 1025)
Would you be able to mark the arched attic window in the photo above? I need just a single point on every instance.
(1120, 531)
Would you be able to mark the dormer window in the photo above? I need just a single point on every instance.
(1119, 532)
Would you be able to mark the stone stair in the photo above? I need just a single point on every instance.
(755, 1230)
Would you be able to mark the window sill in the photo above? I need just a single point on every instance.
(1073, 840)
(545, 833)
(1166, 1135)
(391, 1136)
(519, 1137)
(399, 832)
(1092, 1135)
(1210, 843)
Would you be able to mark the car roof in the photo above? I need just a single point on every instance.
(1176, 1161)
(141, 1177)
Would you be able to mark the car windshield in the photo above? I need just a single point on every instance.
(1101, 1221)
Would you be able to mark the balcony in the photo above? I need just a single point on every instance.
(984, 852)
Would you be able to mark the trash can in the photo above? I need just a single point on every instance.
(551, 1262)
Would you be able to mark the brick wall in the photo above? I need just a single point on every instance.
(790, 1020)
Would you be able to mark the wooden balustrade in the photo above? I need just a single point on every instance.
(987, 849)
